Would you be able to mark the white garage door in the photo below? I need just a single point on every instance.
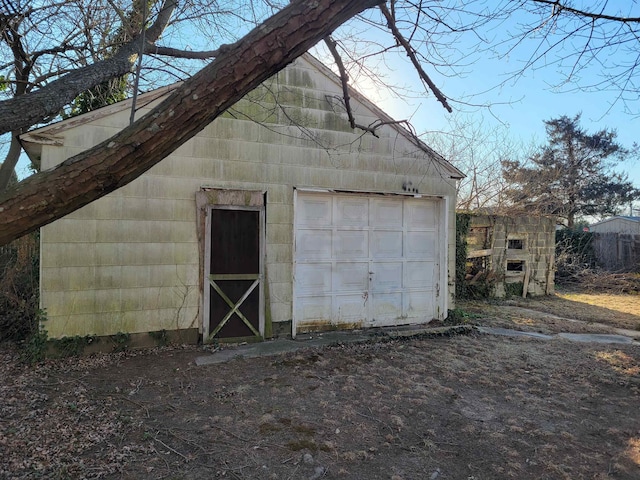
(365, 260)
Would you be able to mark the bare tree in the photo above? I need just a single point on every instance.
(242, 66)
(56, 50)
(476, 148)
(573, 38)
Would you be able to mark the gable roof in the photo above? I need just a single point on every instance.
(33, 140)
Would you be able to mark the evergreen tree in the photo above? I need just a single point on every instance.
(572, 175)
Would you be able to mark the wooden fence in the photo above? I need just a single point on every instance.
(617, 251)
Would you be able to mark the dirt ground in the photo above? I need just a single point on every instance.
(471, 407)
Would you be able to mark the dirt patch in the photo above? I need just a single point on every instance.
(464, 407)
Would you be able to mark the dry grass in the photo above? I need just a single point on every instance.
(549, 314)
(622, 303)
(463, 407)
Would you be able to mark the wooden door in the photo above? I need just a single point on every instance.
(234, 274)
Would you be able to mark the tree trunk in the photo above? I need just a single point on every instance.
(8, 167)
(114, 163)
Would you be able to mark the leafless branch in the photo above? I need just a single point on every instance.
(175, 52)
(560, 7)
(412, 56)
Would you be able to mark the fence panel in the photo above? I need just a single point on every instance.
(617, 251)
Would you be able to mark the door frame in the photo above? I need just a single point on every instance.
(230, 200)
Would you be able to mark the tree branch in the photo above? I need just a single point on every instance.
(8, 166)
(81, 179)
(32, 108)
(344, 80)
(412, 56)
(559, 7)
(175, 52)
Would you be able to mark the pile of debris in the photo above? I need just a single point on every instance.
(600, 281)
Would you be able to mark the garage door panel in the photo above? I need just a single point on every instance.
(351, 244)
(365, 260)
(314, 309)
(352, 212)
(351, 276)
(420, 214)
(386, 213)
(419, 304)
(386, 276)
(314, 278)
(386, 244)
(387, 307)
(350, 309)
(421, 245)
(313, 244)
(419, 275)
(315, 210)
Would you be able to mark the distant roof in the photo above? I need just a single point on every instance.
(618, 217)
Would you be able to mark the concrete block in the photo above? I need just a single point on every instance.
(281, 292)
(68, 254)
(185, 253)
(279, 233)
(279, 213)
(280, 312)
(102, 277)
(108, 208)
(107, 300)
(143, 275)
(108, 254)
(279, 253)
(280, 272)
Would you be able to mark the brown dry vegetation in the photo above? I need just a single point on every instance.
(471, 407)
(596, 312)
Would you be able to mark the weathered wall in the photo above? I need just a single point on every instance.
(617, 251)
(514, 251)
(130, 261)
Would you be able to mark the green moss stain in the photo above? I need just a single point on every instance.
(333, 121)
(292, 96)
(300, 78)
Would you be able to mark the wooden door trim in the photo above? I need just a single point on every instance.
(209, 199)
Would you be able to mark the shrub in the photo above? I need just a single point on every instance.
(19, 289)
(574, 253)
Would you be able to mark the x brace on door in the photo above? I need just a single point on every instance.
(234, 306)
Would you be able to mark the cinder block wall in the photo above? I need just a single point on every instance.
(522, 251)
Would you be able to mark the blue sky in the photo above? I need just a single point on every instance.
(521, 104)
(520, 107)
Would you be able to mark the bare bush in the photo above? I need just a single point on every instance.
(19, 284)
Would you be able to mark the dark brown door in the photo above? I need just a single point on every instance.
(234, 293)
